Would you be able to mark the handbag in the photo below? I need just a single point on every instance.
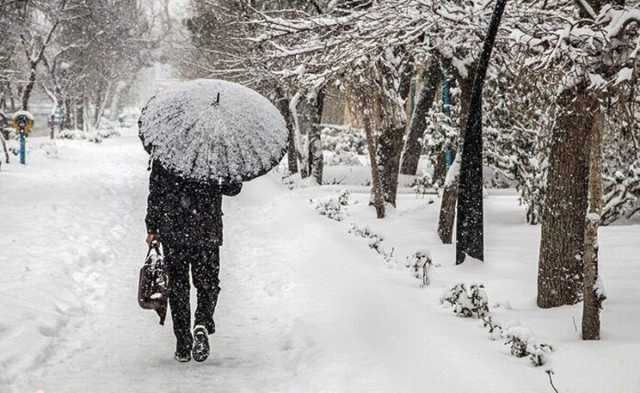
(153, 283)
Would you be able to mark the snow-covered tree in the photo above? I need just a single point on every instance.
(590, 48)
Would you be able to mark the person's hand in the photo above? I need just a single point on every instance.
(151, 237)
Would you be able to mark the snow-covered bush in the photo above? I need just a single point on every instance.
(344, 198)
(474, 303)
(467, 303)
(108, 129)
(421, 263)
(494, 329)
(424, 184)
(73, 134)
(97, 136)
(523, 344)
(90, 136)
(50, 149)
(339, 139)
(621, 191)
(374, 240)
(364, 232)
(479, 300)
(8, 133)
(289, 181)
(333, 208)
(346, 158)
(520, 341)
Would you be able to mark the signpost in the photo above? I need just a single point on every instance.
(56, 119)
(23, 124)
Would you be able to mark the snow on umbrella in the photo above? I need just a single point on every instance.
(213, 130)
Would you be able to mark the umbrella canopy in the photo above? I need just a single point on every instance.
(26, 114)
(213, 130)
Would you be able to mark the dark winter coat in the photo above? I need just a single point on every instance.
(184, 211)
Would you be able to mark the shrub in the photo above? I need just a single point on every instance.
(471, 303)
(421, 264)
(522, 344)
(333, 208)
(375, 241)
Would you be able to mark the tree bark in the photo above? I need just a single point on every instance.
(283, 105)
(3, 99)
(68, 114)
(440, 169)
(470, 225)
(28, 88)
(389, 150)
(448, 204)
(560, 276)
(116, 98)
(450, 192)
(102, 97)
(316, 159)
(12, 97)
(376, 183)
(391, 139)
(309, 116)
(80, 113)
(593, 292)
(4, 147)
(413, 145)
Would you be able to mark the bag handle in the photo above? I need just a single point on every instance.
(154, 245)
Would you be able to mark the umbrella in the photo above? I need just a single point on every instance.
(213, 130)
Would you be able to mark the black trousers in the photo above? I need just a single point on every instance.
(205, 267)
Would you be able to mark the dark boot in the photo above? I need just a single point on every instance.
(201, 348)
(183, 350)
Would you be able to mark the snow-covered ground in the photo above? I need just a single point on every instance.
(305, 306)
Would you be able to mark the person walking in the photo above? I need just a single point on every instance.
(185, 215)
(205, 138)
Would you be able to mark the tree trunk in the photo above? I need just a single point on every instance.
(470, 225)
(4, 147)
(309, 115)
(389, 150)
(440, 169)
(12, 97)
(68, 117)
(450, 191)
(79, 114)
(26, 93)
(448, 204)
(101, 104)
(391, 139)
(3, 100)
(413, 145)
(283, 105)
(114, 105)
(560, 277)
(316, 159)
(376, 183)
(593, 291)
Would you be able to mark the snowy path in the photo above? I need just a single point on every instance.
(303, 307)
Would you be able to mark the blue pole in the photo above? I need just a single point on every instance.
(446, 96)
(449, 157)
(23, 148)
